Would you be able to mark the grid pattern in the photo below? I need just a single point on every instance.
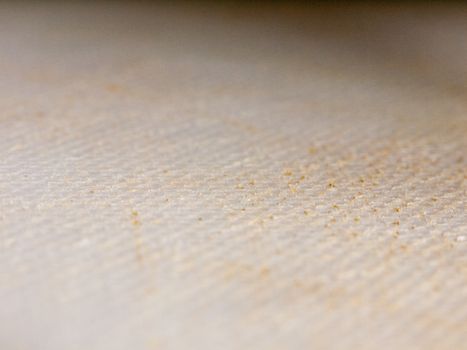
(276, 177)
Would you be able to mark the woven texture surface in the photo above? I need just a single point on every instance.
(223, 177)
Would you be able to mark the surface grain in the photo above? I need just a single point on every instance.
(182, 176)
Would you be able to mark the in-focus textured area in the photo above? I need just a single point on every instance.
(181, 176)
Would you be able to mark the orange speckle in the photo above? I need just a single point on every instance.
(135, 220)
(113, 88)
(264, 272)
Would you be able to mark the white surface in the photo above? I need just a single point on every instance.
(183, 177)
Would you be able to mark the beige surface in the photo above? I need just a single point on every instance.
(224, 177)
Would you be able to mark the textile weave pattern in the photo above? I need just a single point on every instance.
(180, 176)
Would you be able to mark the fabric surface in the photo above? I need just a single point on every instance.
(202, 176)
